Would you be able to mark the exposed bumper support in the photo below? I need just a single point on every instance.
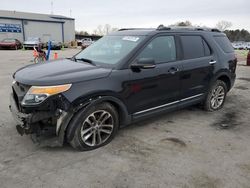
(30, 124)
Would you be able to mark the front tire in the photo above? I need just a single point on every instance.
(216, 96)
(93, 128)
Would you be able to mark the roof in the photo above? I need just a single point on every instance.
(161, 28)
(33, 16)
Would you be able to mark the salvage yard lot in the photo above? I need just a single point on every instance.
(186, 148)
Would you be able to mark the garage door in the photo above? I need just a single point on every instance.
(44, 30)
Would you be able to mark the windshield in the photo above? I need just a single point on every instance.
(110, 49)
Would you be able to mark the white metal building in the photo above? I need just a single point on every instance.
(21, 25)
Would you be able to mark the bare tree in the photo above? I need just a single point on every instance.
(223, 25)
(104, 30)
(183, 23)
(186, 23)
(81, 33)
(100, 30)
(107, 29)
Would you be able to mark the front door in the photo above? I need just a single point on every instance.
(155, 88)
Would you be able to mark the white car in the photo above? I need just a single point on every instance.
(247, 46)
(238, 45)
(86, 42)
(32, 42)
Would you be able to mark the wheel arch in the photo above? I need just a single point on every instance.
(225, 77)
(98, 97)
(226, 80)
(85, 103)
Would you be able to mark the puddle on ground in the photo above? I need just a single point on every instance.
(227, 121)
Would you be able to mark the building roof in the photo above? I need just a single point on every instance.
(33, 16)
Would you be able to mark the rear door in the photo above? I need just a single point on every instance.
(198, 65)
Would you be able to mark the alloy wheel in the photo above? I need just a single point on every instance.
(217, 98)
(97, 128)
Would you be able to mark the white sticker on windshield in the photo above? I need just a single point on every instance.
(131, 38)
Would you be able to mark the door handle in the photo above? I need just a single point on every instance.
(173, 70)
(212, 62)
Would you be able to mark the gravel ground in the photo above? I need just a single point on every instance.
(186, 148)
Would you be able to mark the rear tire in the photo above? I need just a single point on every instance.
(93, 128)
(216, 96)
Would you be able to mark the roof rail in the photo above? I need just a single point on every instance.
(162, 27)
(215, 30)
(125, 29)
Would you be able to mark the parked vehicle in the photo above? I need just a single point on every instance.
(32, 42)
(247, 46)
(86, 42)
(54, 45)
(239, 45)
(124, 77)
(10, 43)
(79, 42)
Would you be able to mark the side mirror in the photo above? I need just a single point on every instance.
(143, 63)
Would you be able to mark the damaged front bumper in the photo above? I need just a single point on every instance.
(22, 120)
(44, 126)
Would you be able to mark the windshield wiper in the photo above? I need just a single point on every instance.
(85, 60)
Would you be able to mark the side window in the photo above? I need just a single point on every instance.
(161, 49)
(194, 47)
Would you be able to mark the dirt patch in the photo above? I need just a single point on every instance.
(7, 161)
(160, 129)
(176, 141)
(245, 79)
(227, 121)
(170, 121)
(241, 87)
(203, 180)
(134, 147)
(245, 168)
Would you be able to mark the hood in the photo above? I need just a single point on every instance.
(58, 72)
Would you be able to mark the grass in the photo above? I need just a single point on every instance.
(241, 54)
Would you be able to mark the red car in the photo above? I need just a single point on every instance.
(10, 44)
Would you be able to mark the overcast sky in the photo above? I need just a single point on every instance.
(140, 13)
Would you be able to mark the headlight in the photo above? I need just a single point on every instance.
(38, 94)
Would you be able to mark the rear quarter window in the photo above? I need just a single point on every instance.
(224, 44)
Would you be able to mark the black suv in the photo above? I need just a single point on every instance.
(122, 78)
